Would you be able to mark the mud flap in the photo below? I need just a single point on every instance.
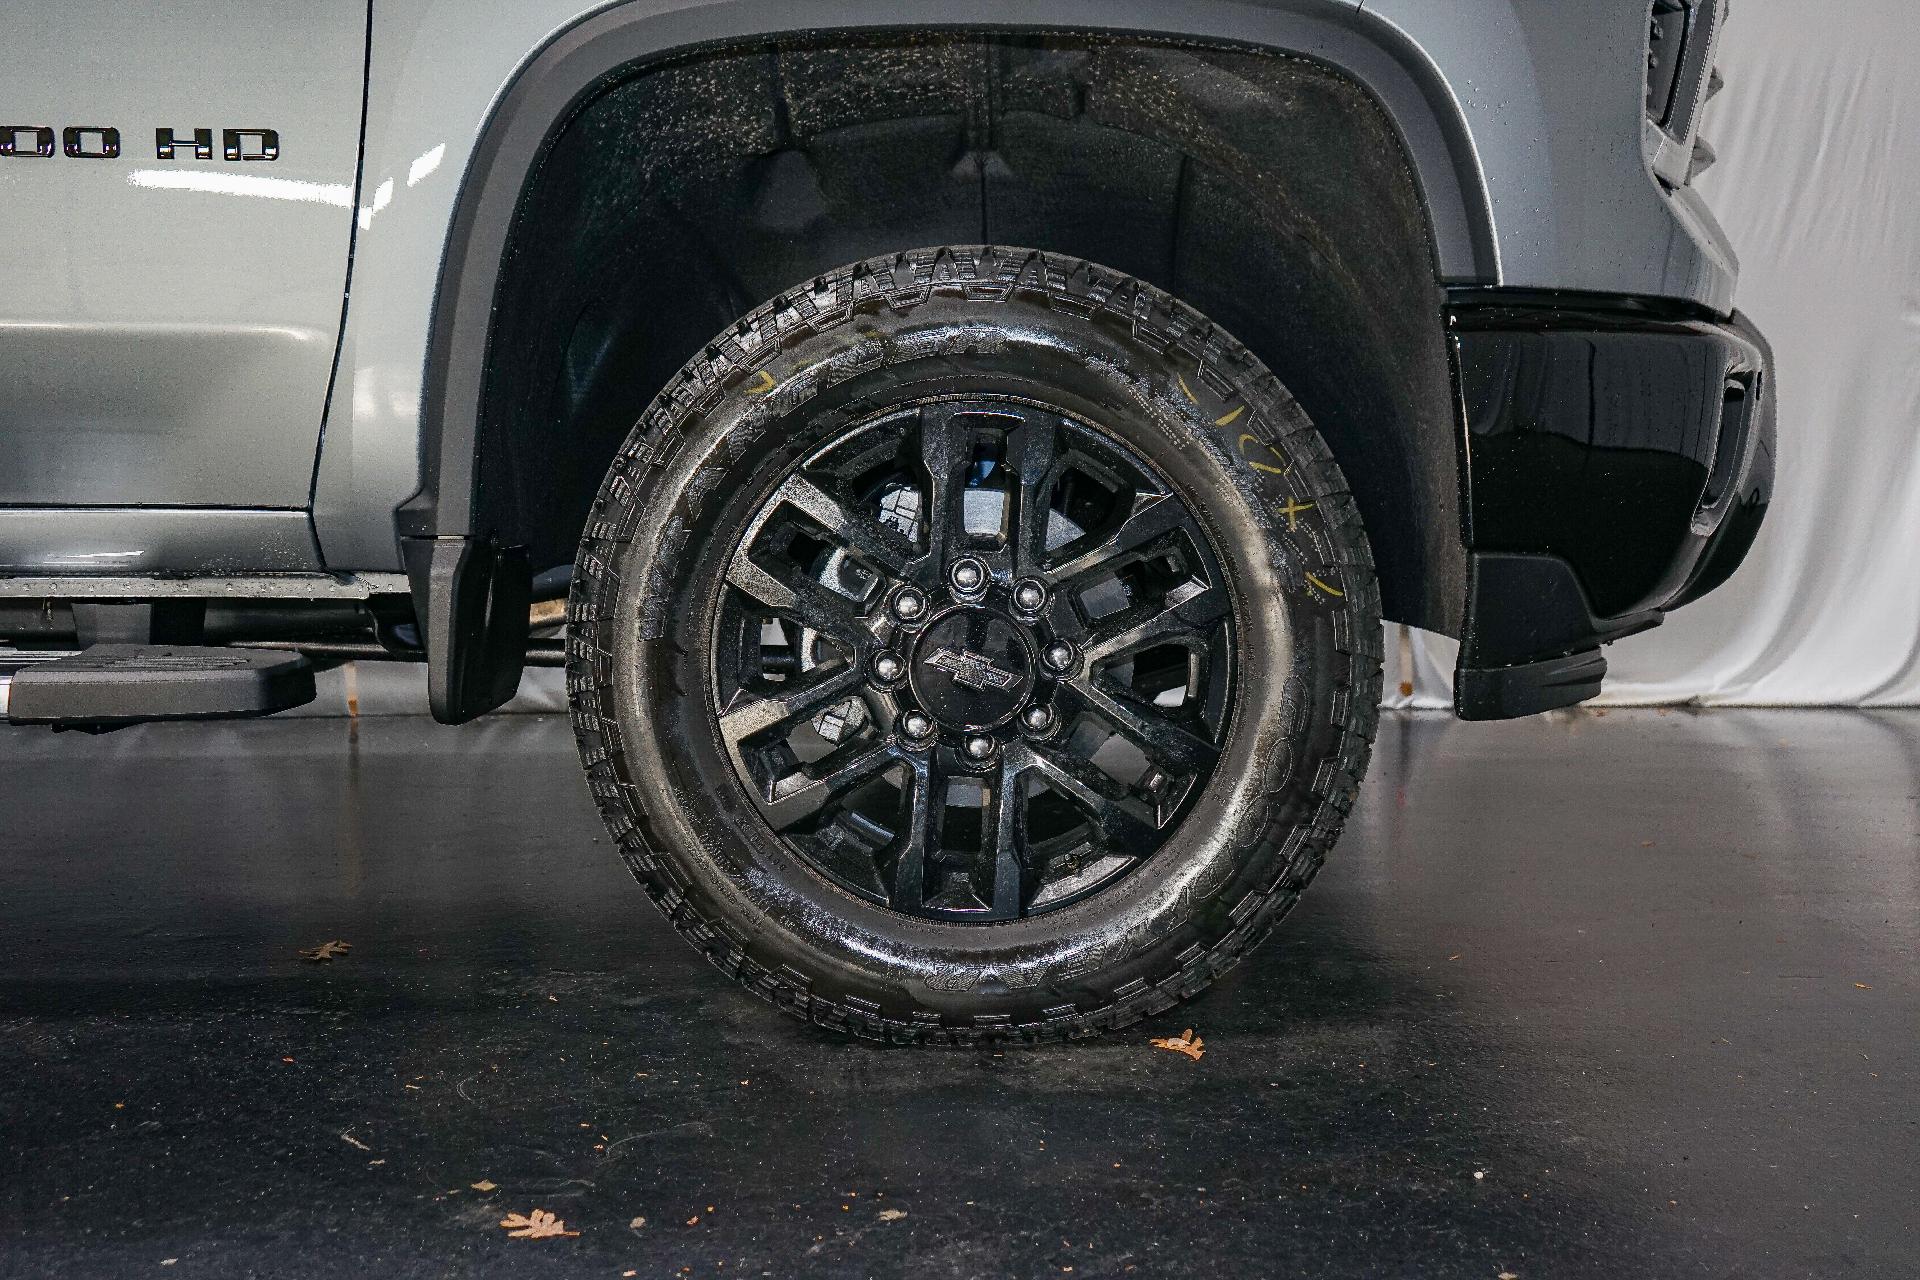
(471, 598)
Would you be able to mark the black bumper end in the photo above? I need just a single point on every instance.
(1620, 464)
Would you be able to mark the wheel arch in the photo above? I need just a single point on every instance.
(469, 499)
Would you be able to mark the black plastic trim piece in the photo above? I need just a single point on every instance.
(1741, 511)
(1521, 608)
(1592, 434)
(472, 599)
(1506, 693)
(1480, 304)
(1532, 643)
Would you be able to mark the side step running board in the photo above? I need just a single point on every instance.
(110, 685)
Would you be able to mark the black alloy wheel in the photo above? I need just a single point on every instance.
(976, 658)
(974, 645)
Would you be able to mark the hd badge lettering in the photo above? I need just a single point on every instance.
(102, 142)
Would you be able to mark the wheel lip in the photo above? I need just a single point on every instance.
(1177, 835)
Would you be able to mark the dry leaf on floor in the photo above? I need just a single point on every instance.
(537, 1225)
(892, 1215)
(327, 951)
(1186, 1042)
(485, 1184)
(636, 1224)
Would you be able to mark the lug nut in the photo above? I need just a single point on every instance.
(1037, 719)
(888, 667)
(916, 725)
(969, 576)
(1058, 655)
(908, 604)
(1029, 595)
(979, 747)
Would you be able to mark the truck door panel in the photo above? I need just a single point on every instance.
(168, 324)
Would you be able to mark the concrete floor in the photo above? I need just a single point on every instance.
(1620, 995)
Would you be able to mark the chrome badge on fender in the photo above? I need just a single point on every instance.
(102, 142)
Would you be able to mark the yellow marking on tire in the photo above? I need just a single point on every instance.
(1292, 512)
(761, 384)
(1262, 466)
(1186, 390)
(1228, 420)
(1330, 590)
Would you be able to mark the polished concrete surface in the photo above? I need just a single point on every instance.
(1594, 995)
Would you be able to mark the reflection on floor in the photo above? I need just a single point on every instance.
(1618, 995)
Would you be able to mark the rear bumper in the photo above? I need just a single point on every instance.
(1619, 464)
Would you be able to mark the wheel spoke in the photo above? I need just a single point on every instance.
(802, 599)
(1033, 445)
(754, 716)
(1005, 850)
(1189, 614)
(943, 452)
(822, 783)
(1154, 515)
(1123, 821)
(907, 883)
(1163, 739)
(856, 531)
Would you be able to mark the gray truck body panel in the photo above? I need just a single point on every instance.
(168, 329)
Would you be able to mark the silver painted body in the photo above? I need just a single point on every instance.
(168, 327)
(179, 336)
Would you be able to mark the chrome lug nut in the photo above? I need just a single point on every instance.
(916, 726)
(1029, 595)
(909, 605)
(889, 667)
(1058, 655)
(979, 747)
(969, 576)
(1037, 719)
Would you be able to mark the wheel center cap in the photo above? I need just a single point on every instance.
(973, 669)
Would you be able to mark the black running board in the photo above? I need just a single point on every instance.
(110, 685)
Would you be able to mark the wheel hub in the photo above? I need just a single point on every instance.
(973, 669)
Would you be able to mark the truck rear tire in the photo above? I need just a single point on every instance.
(974, 645)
